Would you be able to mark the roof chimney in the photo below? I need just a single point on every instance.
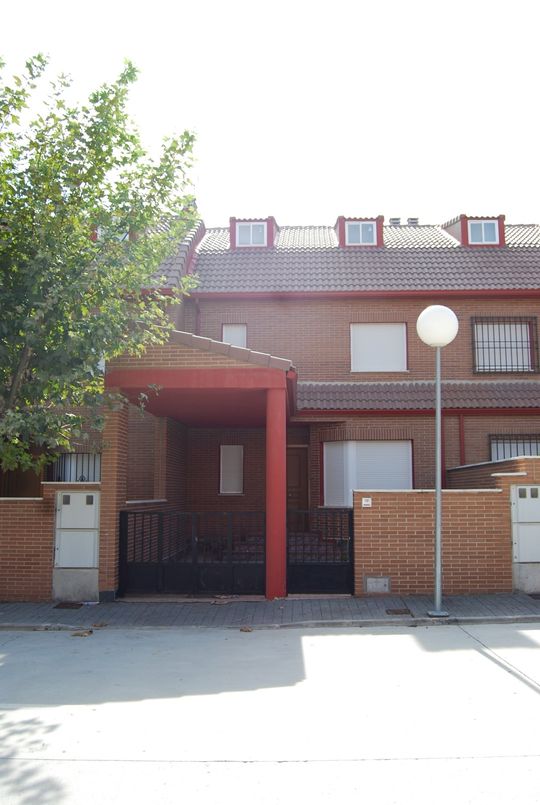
(395, 221)
(412, 221)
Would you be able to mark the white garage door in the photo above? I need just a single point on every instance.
(364, 465)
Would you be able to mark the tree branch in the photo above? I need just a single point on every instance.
(18, 378)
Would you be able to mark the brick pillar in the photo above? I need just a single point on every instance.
(276, 494)
(113, 499)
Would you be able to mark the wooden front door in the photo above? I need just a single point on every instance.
(297, 478)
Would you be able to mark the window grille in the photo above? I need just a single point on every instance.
(73, 467)
(505, 344)
(516, 445)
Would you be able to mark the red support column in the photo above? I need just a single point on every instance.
(276, 497)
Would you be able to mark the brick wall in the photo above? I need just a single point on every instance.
(140, 466)
(395, 538)
(493, 474)
(113, 497)
(178, 468)
(478, 429)
(419, 430)
(175, 356)
(315, 333)
(27, 542)
(203, 455)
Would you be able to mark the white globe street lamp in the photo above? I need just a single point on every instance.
(437, 326)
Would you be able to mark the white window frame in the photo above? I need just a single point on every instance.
(484, 242)
(241, 334)
(361, 225)
(367, 361)
(251, 224)
(231, 453)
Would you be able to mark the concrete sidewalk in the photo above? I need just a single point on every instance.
(305, 611)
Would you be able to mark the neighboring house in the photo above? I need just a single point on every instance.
(296, 376)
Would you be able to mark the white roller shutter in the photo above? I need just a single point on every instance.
(231, 475)
(378, 347)
(365, 465)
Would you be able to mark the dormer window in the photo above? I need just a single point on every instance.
(470, 231)
(251, 233)
(360, 233)
(484, 232)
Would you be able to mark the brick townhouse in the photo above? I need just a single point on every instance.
(295, 376)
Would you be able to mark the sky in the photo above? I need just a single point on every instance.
(307, 110)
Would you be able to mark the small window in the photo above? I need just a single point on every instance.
(534, 492)
(522, 492)
(235, 334)
(512, 446)
(378, 348)
(89, 500)
(66, 500)
(505, 344)
(231, 471)
(251, 234)
(484, 232)
(360, 233)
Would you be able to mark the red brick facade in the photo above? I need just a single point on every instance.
(27, 529)
(394, 538)
(315, 333)
(209, 395)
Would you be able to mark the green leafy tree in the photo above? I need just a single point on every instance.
(86, 219)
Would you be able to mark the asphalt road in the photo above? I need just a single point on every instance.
(436, 714)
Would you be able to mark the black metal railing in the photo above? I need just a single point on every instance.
(73, 467)
(174, 551)
(505, 344)
(511, 446)
(319, 535)
(320, 551)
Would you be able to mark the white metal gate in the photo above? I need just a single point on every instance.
(77, 529)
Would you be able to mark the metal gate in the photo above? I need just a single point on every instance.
(320, 551)
(192, 553)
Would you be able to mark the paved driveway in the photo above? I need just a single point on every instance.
(425, 714)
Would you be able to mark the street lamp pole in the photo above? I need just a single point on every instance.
(438, 492)
(437, 326)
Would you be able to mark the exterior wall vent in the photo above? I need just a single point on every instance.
(412, 221)
(376, 584)
(395, 221)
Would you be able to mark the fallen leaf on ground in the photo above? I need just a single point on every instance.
(99, 625)
(83, 633)
(246, 629)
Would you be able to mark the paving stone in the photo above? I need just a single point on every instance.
(232, 613)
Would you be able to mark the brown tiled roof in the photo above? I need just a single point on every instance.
(240, 354)
(421, 257)
(174, 267)
(417, 395)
